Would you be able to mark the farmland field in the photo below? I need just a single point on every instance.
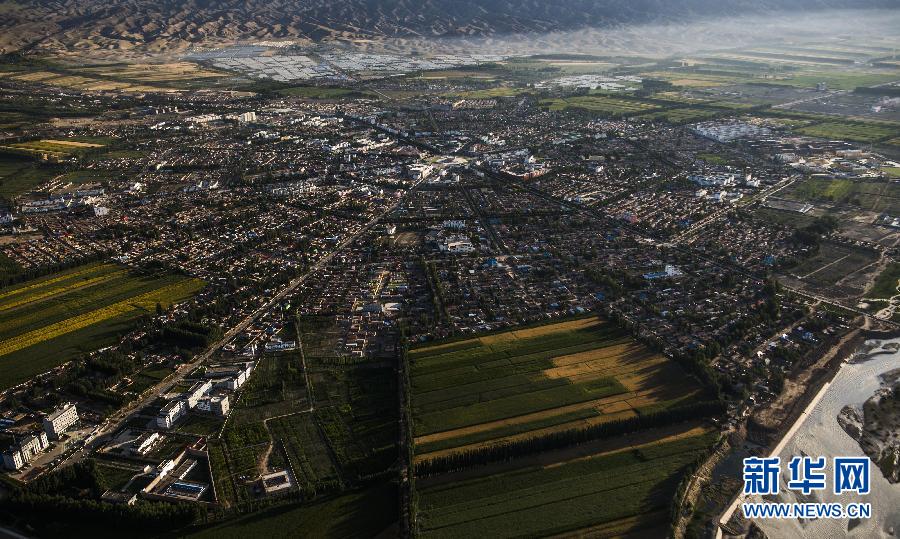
(307, 452)
(855, 131)
(683, 115)
(277, 387)
(837, 79)
(357, 411)
(235, 460)
(48, 321)
(50, 147)
(143, 77)
(499, 91)
(834, 267)
(601, 104)
(19, 175)
(332, 436)
(521, 383)
(886, 283)
(9, 268)
(321, 92)
(874, 196)
(713, 159)
(364, 513)
(619, 492)
(164, 73)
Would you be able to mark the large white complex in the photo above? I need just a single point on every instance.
(728, 131)
(280, 68)
(332, 65)
(595, 82)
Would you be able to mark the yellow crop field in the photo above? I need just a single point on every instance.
(24, 299)
(144, 302)
(73, 143)
(52, 320)
(44, 283)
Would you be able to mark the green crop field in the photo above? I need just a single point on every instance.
(14, 120)
(886, 283)
(147, 378)
(321, 92)
(307, 452)
(357, 411)
(854, 131)
(602, 492)
(277, 387)
(18, 176)
(51, 148)
(836, 79)
(559, 376)
(499, 91)
(713, 159)
(875, 196)
(601, 104)
(200, 425)
(821, 189)
(48, 321)
(349, 435)
(235, 461)
(359, 514)
(684, 115)
(9, 269)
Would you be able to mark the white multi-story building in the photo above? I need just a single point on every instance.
(171, 413)
(420, 171)
(196, 392)
(217, 405)
(230, 377)
(56, 423)
(280, 346)
(175, 409)
(24, 451)
(456, 244)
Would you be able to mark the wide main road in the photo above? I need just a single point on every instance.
(115, 421)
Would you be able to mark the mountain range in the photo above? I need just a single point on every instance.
(172, 25)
